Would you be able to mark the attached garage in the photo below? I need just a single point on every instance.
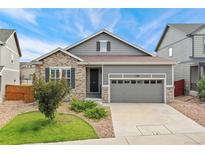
(136, 91)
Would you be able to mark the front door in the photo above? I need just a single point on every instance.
(94, 80)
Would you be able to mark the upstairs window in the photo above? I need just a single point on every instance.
(12, 58)
(103, 46)
(170, 52)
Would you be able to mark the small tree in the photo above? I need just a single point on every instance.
(49, 95)
(201, 88)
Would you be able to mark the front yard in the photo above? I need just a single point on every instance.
(191, 107)
(22, 123)
(32, 127)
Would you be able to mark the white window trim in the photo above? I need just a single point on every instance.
(103, 41)
(60, 73)
(12, 58)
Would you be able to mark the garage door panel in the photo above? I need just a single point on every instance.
(133, 93)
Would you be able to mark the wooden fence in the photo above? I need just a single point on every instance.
(19, 92)
(179, 88)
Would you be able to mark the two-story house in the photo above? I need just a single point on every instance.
(10, 54)
(110, 68)
(185, 44)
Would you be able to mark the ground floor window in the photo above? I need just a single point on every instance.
(57, 73)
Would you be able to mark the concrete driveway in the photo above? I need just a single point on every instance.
(147, 119)
(149, 124)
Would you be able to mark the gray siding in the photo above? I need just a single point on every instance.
(171, 36)
(182, 50)
(201, 31)
(11, 71)
(182, 71)
(137, 69)
(11, 43)
(8, 77)
(6, 59)
(117, 47)
(199, 46)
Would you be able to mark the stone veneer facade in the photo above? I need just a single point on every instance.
(170, 94)
(60, 59)
(105, 94)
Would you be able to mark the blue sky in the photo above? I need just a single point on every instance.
(42, 30)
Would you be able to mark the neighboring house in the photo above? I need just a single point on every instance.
(27, 69)
(10, 54)
(185, 44)
(105, 66)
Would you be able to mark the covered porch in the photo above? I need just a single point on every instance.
(93, 81)
(196, 72)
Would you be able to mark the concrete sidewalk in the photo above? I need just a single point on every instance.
(174, 139)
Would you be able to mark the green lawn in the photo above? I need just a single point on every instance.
(32, 127)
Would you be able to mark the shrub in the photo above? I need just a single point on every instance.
(77, 105)
(49, 95)
(96, 113)
(201, 88)
(80, 106)
(90, 104)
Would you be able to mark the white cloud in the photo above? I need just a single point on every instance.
(151, 40)
(32, 48)
(156, 23)
(103, 18)
(95, 16)
(151, 31)
(21, 14)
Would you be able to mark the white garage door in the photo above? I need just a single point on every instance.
(136, 91)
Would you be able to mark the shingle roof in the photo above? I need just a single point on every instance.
(5, 34)
(187, 28)
(121, 59)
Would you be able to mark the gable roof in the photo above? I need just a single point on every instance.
(111, 34)
(56, 50)
(187, 29)
(5, 35)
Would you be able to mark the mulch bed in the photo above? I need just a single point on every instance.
(103, 127)
(191, 107)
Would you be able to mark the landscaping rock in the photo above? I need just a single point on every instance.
(9, 109)
(191, 107)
